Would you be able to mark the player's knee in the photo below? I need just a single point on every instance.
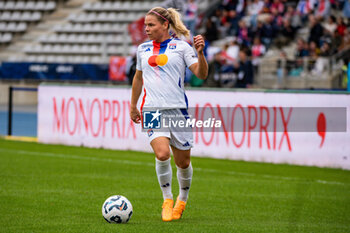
(184, 164)
(163, 155)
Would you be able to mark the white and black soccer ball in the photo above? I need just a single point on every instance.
(117, 209)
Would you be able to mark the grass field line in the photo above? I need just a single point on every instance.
(89, 158)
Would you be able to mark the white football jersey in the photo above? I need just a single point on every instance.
(163, 68)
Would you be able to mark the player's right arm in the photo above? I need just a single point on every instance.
(135, 94)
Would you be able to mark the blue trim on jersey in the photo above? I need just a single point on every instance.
(164, 45)
(186, 100)
(179, 82)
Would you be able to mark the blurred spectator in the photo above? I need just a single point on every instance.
(233, 20)
(211, 31)
(258, 50)
(302, 49)
(243, 33)
(245, 75)
(314, 51)
(323, 8)
(341, 26)
(346, 9)
(305, 7)
(325, 50)
(316, 30)
(277, 6)
(321, 61)
(266, 7)
(268, 32)
(229, 5)
(277, 21)
(131, 68)
(331, 25)
(233, 49)
(254, 8)
(190, 16)
(345, 40)
(227, 59)
(214, 72)
(240, 7)
(287, 34)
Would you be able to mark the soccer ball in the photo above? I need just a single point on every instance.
(117, 209)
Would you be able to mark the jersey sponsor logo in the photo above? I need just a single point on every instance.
(148, 50)
(172, 46)
(158, 60)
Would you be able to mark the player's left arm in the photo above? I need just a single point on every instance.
(200, 69)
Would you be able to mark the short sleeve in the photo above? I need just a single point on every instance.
(138, 59)
(189, 55)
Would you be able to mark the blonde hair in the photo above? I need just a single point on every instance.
(173, 17)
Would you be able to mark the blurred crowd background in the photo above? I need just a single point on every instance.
(249, 43)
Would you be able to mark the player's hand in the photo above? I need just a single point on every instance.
(198, 42)
(135, 115)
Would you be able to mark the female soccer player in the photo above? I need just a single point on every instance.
(160, 68)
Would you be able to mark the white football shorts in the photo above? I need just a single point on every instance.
(181, 137)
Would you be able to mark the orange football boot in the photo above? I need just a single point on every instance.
(178, 209)
(167, 212)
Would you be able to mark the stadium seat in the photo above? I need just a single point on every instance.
(66, 48)
(111, 17)
(53, 38)
(94, 49)
(10, 5)
(95, 59)
(97, 6)
(46, 48)
(2, 27)
(20, 6)
(80, 38)
(6, 38)
(36, 16)
(86, 28)
(107, 6)
(40, 6)
(116, 6)
(102, 17)
(30, 5)
(41, 58)
(87, 6)
(6, 16)
(50, 6)
(21, 27)
(126, 6)
(26, 16)
(91, 17)
(56, 48)
(70, 38)
(11, 27)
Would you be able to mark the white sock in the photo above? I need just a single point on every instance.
(164, 174)
(184, 176)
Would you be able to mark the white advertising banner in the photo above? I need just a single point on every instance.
(294, 128)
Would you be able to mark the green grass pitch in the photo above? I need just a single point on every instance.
(50, 188)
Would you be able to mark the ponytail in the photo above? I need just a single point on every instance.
(176, 23)
(173, 17)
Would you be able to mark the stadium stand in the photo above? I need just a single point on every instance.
(278, 24)
(267, 32)
(82, 30)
